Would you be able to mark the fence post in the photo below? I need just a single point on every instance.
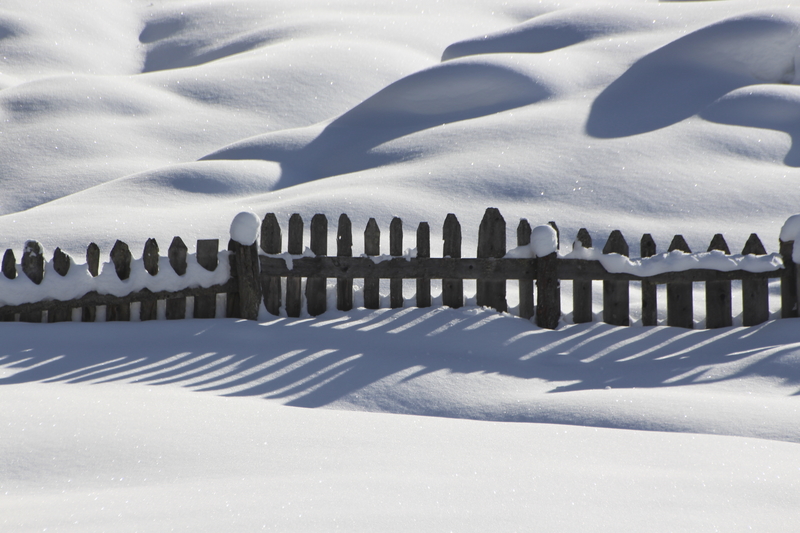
(89, 312)
(647, 247)
(177, 252)
(232, 298)
(548, 287)
(372, 247)
(452, 289)
(582, 289)
(247, 268)
(680, 308)
(616, 299)
(423, 252)
(9, 270)
(718, 293)
(492, 243)
(789, 281)
(205, 306)
(755, 292)
(344, 248)
(293, 283)
(271, 244)
(150, 258)
(61, 264)
(396, 250)
(121, 257)
(316, 297)
(525, 285)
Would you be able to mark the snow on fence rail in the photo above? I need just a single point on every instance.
(249, 276)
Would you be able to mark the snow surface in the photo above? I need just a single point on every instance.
(137, 119)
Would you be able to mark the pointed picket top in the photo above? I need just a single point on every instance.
(616, 244)
(61, 262)
(121, 257)
(372, 238)
(295, 234)
(344, 237)
(679, 243)
(270, 234)
(492, 234)
(524, 232)
(647, 246)
(396, 237)
(718, 243)
(583, 238)
(93, 259)
(754, 246)
(319, 234)
(553, 225)
(33, 261)
(9, 264)
(451, 235)
(177, 256)
(150, 256)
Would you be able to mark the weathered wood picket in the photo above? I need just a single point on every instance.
(265, 275)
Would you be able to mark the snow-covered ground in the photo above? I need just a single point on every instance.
(137, 119)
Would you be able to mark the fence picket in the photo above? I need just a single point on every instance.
(293, 283)
(616, 298)
(526, 309)
(150, 258)
(680, 308)
(423, 251)
(789, 281)
(452, 289)
(718, 293)
(316, 299)
(177, 252)
(121, 258)
(9, 270)
(582, 289)
(61, 264)
(271, 244)
(548, 304)
(755, 292)
(396, 250)
(89, 312)
(205, 306)
(344, 248)
(372, 247)
(647, 247)
(492, 243)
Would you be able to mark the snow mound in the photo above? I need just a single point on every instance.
(681, 78)
(550, 31)
(450, 92)
(775, 107)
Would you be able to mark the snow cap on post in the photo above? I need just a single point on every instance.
(544, 240)
(791, 232)
(244, 228)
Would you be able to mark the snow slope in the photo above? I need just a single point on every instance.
(136, 119)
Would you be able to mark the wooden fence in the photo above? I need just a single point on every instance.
(266, 275)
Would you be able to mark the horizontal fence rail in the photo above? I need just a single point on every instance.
(256, 273)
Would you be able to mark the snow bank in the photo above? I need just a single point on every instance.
(79, 281)
(677, 261)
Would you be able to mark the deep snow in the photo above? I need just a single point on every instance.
(137, 119)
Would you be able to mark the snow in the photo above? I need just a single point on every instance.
(139, 119)
(244, 228)
(544, 241)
